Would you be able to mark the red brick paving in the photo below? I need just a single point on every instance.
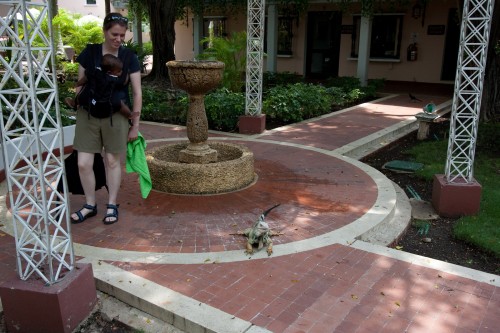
(335, 288)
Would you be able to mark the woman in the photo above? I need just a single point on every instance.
(93, 135)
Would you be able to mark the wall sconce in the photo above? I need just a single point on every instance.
(416, 10)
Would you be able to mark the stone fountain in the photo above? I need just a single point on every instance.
(199, 166)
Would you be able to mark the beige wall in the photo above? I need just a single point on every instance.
(430, 49)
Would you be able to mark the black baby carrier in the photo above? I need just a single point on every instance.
(100, 96)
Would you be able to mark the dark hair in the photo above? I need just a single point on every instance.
(114, 18)
(110, 63)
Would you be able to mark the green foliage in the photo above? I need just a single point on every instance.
(70, 69)
(164, 107)
(66, 89)
(284, 103)
(231, 51)
(296, 102)
(347, 83)
(273, 79)
(223, 109)
(348, 89)
(77, 36)
(141, 52)
(488, 138)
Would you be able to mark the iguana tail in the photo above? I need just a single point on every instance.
(270, 209)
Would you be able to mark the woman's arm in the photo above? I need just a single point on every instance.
(135, 81)
(81, 77)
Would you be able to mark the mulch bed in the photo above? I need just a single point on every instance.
(442, 246)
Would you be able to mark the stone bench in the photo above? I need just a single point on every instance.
(425, 119)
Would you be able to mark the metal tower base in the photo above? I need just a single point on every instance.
(455, 199)
(57, 308)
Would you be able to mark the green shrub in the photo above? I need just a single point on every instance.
(347, 90)
(273, 79)
(141, 52)
(70, 69)
(76, 36)
(488, 137)
(231, 51)
(296, 102)
(223, 109)
(347, 83)
(166, 107)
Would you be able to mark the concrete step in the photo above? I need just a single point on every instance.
(394, 225)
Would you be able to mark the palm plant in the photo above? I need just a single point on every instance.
(231, 51)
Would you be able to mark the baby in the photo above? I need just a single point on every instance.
(113, 67)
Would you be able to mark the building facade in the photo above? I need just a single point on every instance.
(417, 42)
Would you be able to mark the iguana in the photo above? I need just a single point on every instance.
(260, 234)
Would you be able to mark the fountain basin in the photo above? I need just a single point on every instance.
(195, 77)
(233, 170)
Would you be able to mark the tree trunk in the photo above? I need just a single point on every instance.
(162, 21)
(107, 6)
(490, 103)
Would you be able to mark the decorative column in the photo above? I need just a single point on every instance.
(272, 38)
(364, 49)
(457, 193)
(33, 149)
(254, 121)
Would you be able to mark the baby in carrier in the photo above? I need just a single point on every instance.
(111, 69)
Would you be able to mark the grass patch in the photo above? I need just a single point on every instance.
(483, 229)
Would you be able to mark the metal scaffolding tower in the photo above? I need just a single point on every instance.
(255, 55)
(473, 50)
(32, 143)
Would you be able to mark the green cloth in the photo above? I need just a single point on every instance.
(136, 162)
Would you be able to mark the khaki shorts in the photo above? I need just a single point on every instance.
(94, 134)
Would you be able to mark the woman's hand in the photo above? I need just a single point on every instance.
(133, 133)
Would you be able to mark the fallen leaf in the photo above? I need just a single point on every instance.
(382, 293)
(399, 247)
(295, 281)
(397, 303)
(354, 296)
(207, 260)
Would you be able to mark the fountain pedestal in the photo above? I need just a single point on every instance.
(196, 78)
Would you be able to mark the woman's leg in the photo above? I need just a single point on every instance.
(87, 177)
(114, 177)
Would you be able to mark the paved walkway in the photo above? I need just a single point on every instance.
(179, 257)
